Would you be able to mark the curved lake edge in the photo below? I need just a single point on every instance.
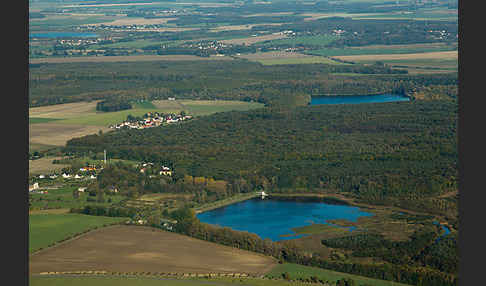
(359, 99)
(232, 214)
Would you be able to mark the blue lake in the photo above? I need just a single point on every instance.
(445, 228)
(358, 99)
(271, 219)
(62, 35)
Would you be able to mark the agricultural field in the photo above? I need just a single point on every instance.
(282, 58)
(428, 62)
(144, 249)
(56, 124)
(135, 58)
(156, 280)
(62, 198)
(296, 271)
(385, 49)
(44, 165)
(46, 229)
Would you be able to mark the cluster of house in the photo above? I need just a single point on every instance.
(207, 45)
(166, 171)
(152, 119)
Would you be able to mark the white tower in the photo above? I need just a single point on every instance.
(105, 156)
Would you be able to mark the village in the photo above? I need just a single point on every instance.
(150, 119)
(89, 173)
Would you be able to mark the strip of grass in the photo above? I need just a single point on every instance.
(319, 40)
(34, 120)
(303, 60)
(331, 52)
(63, 198)
(297, 271)
(46, 229)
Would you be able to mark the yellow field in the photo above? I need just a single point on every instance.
(135, 21)
(136, 58)
(241, 27)
(252, 40)
(280, 57)
(420, 56)
(44, 165)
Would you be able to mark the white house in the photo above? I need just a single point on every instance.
(92, 177)
(82, 189)
(35, 186)
(41, 176)
(53, 176)
(78, 176)
(64, 175)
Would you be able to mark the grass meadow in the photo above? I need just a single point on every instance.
(46, 229)
(297, 271)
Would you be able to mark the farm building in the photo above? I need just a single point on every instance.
(34, 187)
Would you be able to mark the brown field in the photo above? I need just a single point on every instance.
(163, 29)
(143, 249)
(274, 55)
(252, 40)
(107, 5)
(242, 27)
(269, 14)
(126, 59)
(58, 134)
(125, 21)
(417, 56)
(315, 16)
(62, 111)
(44, 165)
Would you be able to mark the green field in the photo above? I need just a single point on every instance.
(46, 229)
(62, 198)
(34, 120)
(191, 107)
(300, 60)
(299, 271)
(319, 40)
(412, 49)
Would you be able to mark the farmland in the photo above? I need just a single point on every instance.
(143, 249)
(282, 58)
(152, 280)
(245, 71)
(46, 229)
(296, 271)
(56, 124)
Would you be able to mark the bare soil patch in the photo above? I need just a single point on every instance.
(62, 111)
(126, 59)
(44, 165)
(252, 40)
(58, 134)
(274, 55)
(135, 21)
(431, 55)
(144, 249)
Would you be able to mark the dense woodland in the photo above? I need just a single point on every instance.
(235, 79)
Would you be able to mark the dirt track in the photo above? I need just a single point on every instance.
(143, 249)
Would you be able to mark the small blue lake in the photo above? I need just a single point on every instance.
(271, 218)
(358, 99)
(62, 35)
(445, 228)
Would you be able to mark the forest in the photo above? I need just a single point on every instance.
(381, 153)
(236, 80)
